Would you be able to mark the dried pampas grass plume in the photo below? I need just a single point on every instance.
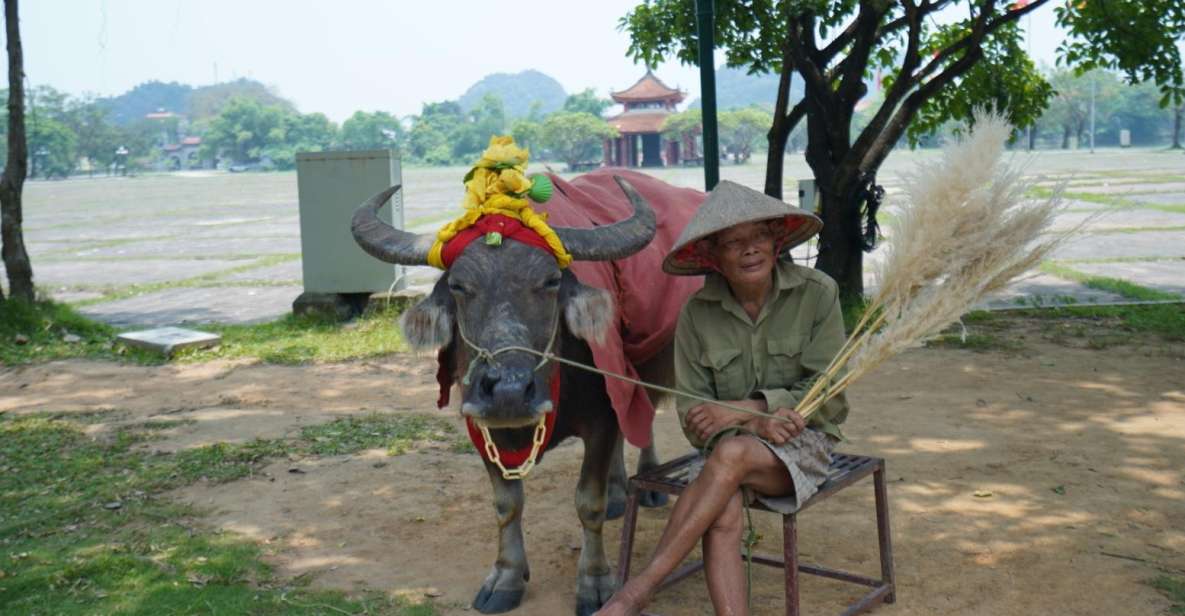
(965, 231)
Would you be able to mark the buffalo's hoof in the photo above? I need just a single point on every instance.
(497, 601)
(592, 592)
(651, 498)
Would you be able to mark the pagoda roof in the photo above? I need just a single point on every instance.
(635, 122)
(648, 88)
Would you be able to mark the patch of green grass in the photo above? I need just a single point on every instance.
(1127, 289)
(979, 342)
(397, 433)
(38, 332)
(1041, 192)
(34, 333)
(1164, 320)
(304, 339)
(1174, 589)
(84, 530)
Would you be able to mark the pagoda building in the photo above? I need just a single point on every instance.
(640, 143)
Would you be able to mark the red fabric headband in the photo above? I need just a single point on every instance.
(510, 228)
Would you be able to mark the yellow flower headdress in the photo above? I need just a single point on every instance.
(497, 185)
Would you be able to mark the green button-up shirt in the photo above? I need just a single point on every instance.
(721, 353)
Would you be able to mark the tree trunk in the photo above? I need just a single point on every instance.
(1065, 136)
(774, 160)
(16, 258)
(1177, 114)
(841, 255)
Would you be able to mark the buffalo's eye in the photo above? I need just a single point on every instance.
(457, 288)
(551, 284)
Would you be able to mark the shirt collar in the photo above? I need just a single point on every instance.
(786, 276)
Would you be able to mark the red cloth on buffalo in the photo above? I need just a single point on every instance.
(648, 299)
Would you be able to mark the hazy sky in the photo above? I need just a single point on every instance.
(344, 55)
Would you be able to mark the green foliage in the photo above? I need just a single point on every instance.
(587, 101)
(85, 529)
(52, 148)
(1174, 589)
(528, 134)
(1137, 38)
(1005, 80)
(243, 130)
(576, 137)
(688, 123)
(311, 132)
(431, 134)
(372, 131)
(743, 129)
(246, 131)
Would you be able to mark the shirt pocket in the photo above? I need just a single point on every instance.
(785, 360)
(728, 372)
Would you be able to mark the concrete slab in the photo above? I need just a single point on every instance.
(198, 247)
(168, 340)
(127, 272)
(1167, 276)
(1116, 218)
(1173, 198)
(1122, 189)
(1045, 290)
(284, 272)
(1143, 244)
(197, 305)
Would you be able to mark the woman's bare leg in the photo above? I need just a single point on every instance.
(722, 561)
(736, 461)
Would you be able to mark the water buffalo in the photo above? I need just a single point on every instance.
(514, 294)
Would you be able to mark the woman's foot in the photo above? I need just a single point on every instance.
(627, 601)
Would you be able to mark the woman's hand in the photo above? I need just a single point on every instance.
(778, 431)
(707, 419)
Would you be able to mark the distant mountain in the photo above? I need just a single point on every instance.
(736, 88)
(518, 92)
(147, 98)
(194, 103)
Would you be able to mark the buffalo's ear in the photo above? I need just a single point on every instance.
(589, 312)
(429, 324)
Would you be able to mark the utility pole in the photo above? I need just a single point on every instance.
(1093, 82)
(705, 12)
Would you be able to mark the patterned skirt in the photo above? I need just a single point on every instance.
(807, 458)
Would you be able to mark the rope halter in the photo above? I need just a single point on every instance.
(541, 434)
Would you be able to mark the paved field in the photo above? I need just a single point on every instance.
(201, 247)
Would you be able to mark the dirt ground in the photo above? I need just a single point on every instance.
(1081, 453)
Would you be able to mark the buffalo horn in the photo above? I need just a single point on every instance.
(616, 241)
(384, 242)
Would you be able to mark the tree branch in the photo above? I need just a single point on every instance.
(867, 28)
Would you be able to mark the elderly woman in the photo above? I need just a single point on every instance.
(752, 337)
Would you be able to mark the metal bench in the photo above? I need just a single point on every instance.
(846, 469)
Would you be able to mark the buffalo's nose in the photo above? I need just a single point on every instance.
(512, 390)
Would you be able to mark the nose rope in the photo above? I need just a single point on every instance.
(482, 354)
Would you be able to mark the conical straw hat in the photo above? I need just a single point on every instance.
(731, 204)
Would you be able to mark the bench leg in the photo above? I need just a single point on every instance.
(790, 555)
(629, 522)
(882, 531)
